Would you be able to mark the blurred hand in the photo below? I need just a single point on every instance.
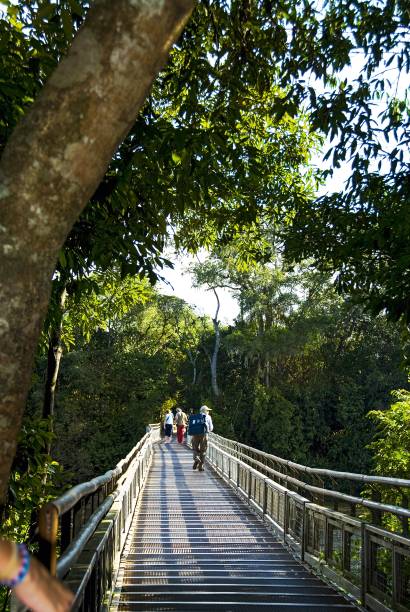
(40, 592)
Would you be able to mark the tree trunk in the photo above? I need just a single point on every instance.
(267, 373)
(214, 359)
(54, 354)
(193, 361)
(55, 351)
(53, 163)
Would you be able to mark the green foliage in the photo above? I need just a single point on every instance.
(169, 404)
(364, 238)
(27, 490)
(361, 231)
(206, 157)
(300, 346)
(391, 446)
(118, 380)
(275, 423)
(391, 455)
(18, 83)
(223, 143)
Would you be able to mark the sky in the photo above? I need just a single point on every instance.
(204, 302)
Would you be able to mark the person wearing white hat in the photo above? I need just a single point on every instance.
(200, 441)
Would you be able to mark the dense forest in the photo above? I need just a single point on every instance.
(221, 158)
(297, 375)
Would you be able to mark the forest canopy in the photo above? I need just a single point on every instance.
(222, 145)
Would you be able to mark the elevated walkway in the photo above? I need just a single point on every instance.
(195, 545)
(252, 531)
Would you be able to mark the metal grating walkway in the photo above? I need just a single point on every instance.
(194, 545)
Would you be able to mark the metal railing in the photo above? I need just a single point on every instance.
(82, 533)
(367, 497)
(369, 562)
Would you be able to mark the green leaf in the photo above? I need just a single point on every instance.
(75, 7)
(67, 23)
(176, 158)
(45, 11)
(62, 259)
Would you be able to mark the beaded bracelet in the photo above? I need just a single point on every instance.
(23, 569)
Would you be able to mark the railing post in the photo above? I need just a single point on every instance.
(48, 527)
(249, 485)
(376, 514)
(303, 534)
(395, 576)
(328, 551)
(285, 515)
(404, 519)
(364, 564)
(265, 497)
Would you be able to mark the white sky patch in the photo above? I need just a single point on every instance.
(203, 301)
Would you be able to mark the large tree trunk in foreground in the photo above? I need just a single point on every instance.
(53, 163)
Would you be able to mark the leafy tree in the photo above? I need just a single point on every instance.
(95, 303)
(70, 112)
(211, 274)
(26, 490)
(361, 232)
(275, 423)
(28, 487)
(391, 454)
(296, 339)
(117, 381)
(392, 441)
(186, 159)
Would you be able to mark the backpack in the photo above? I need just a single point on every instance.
(181, 418)
(197, 424)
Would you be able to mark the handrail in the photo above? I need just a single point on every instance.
(363, 478)
(76, 493)
(94, 517)
(76, 547)
(368, 561)
(318, 489)
(359, 501)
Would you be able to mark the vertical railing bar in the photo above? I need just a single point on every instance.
(265, 497)
(303, 534)
(395, 576)
(285, 515)
(364, 564)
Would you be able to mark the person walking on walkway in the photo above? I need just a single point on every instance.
(200, 441)
(168, 426)
(181, 421)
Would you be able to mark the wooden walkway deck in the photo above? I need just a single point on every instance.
(195, 545)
